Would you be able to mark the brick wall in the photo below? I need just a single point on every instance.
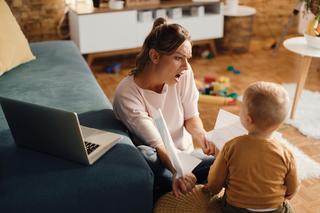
(39, 18)
(272, 16)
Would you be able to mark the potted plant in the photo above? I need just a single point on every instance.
(312, 33)
(314, 25)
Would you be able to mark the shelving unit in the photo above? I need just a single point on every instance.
(103, 32)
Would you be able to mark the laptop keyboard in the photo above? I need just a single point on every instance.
(90, 147)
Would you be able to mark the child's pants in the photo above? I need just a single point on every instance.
(226, 208)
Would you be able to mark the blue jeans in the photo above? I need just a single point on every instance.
(163, 177)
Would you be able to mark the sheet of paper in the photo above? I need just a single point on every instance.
(182, 163)
(188, 162)
(225, 118)
(222, 135)
(227, 127)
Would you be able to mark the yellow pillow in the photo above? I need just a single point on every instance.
(14, 47)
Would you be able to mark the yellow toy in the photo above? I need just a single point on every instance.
(222, 84)
(216, 100)
(215, 92)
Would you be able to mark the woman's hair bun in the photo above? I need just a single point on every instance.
(158, 22)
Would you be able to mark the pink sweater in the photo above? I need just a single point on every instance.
(134, 107)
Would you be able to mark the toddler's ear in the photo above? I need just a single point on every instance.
(249, 119)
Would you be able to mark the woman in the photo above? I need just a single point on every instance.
(163, 79)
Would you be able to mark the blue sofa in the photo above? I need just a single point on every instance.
(30, 181)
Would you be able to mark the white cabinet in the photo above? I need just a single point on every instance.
(99, 32)
(205, 27)
(102, 30)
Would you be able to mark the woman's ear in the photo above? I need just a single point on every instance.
(154, 56)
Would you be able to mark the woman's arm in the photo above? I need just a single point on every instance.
(195, 127)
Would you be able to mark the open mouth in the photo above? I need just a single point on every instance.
(179, 75)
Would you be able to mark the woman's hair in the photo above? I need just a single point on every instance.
(267, 104)
(164, 38)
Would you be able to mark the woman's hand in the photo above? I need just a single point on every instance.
(209, 148)
(183, 184)
(195, 127)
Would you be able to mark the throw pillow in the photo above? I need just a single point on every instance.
(14, 47)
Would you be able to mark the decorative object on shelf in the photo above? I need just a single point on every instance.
(159, 13)
(116, 5)
(197, 11)
(232, 5)
(96, 3)
(175, 13)
(312, 34)
(145, 16)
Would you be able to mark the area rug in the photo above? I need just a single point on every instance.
(307, 167)
(307, 116)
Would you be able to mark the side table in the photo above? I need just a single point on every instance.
(238, 28)
(299, 45)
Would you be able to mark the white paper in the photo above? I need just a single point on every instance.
(182, 162)
(188, 162)
(227, 127)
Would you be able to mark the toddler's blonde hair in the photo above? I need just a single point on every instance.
(267, 104)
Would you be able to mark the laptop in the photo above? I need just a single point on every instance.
(56, 132)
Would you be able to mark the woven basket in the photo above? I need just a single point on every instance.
(195, 201)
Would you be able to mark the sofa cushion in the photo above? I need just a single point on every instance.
(59, 77)
(14, 49)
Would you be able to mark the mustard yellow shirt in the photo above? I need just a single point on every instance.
(257, 173)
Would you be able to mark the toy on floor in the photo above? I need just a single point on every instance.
(213, 86)
(215, 91)
(207, 54)
(217, 100)
(113, 68)
(234, 70)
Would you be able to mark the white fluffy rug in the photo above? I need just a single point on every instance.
(307, 167)
(307, 117)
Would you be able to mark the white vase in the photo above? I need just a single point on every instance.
(232, 5)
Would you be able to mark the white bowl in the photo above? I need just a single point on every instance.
(312, 41)
(116, 5)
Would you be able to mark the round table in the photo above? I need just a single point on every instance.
(240, 11)
(299, 46)
(238, 27)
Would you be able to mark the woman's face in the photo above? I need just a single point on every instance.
(172, 67)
